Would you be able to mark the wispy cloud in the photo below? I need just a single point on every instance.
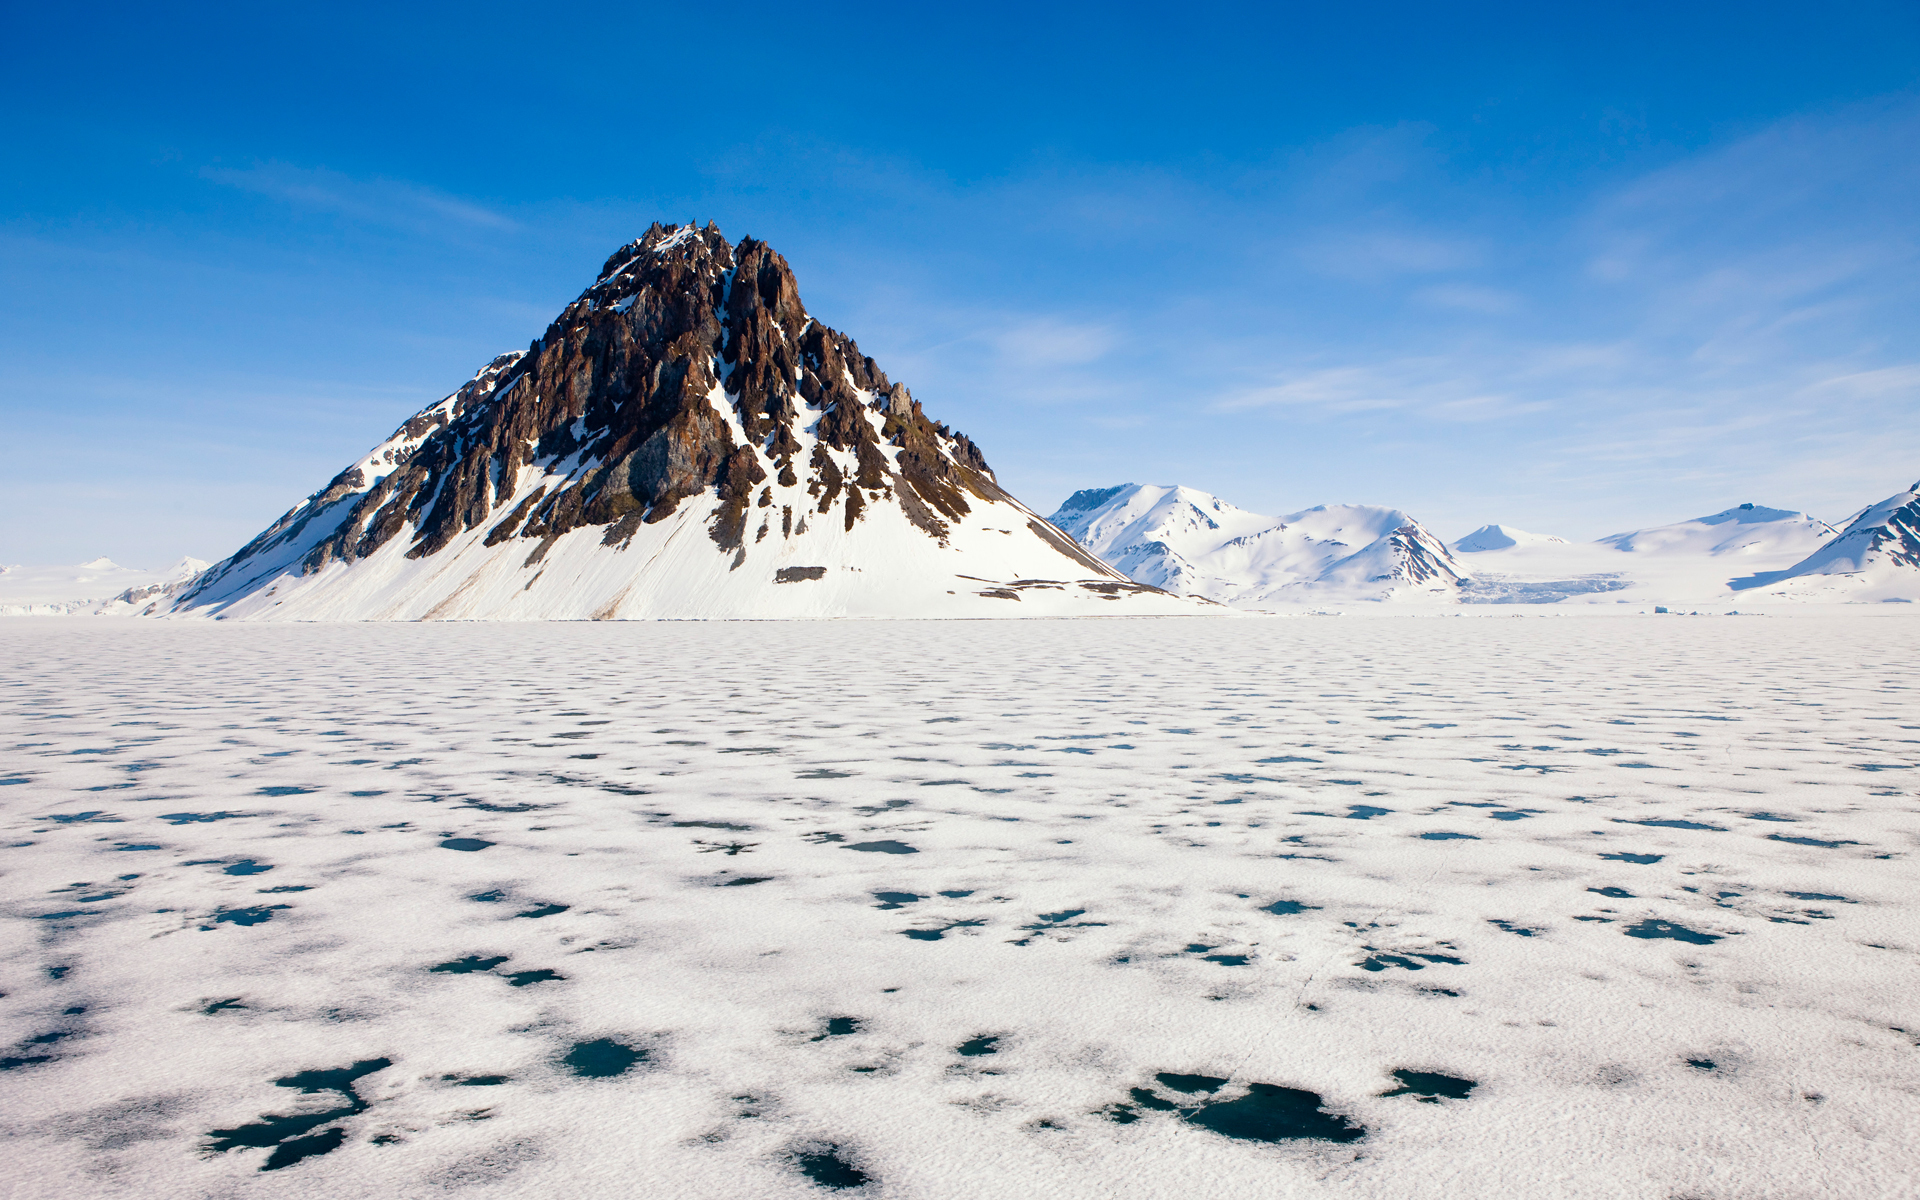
(376, 201)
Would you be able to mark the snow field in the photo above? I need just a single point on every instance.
(1006, 876)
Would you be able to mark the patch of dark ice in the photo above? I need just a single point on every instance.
(258, 915)
(1652, 928)
(603, 1058)
(896, 899)
(1807, 841)
(1380, 960)
(544, 910)
(977, 1047)
(468, 965)
(286, 791)
(1642, 859)
(1265, 1113)
(1671, 823)
(1447, 836)
(465, 843)
(246, 866)
(1511, 927)
(1190, 1084)
(825, 1165)
(291, 1135)
(838, 1027)
(1288, 908)
(887, 846)
(1429, 1086)
(934, 935)
(524, 978)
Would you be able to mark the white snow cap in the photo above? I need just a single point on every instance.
(1193, 543)
(1502, 537)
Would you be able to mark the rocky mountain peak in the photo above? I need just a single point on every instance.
(688, 370)
(689, 364)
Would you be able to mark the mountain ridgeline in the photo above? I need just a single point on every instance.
(687, 387)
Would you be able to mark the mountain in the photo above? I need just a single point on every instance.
(1194, 544)
(1748, 530)
(1685, 562)
(91, 587)
(684, 440)
(1876, 557)
(1502, 537)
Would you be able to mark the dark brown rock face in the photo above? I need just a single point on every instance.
(690, 366)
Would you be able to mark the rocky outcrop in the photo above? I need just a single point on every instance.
(690, 365)
(684, 417)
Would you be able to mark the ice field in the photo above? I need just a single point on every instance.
(1312, 907)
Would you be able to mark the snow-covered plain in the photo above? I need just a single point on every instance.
(967, 910)
(92, 587)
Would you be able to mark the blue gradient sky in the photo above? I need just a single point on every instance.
(1573, 268)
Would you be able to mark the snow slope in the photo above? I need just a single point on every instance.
(1877, 557)
(1192, 543)
(1684, 563)
(90, 587)
(684, 441)
(1573, 910)
(1502, 537)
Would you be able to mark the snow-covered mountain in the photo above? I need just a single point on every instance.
(1502, 537)
(683, 441)
(1189, 542)
(1877, 557)
(1746, 530)
(98, 586)
(1686, 562)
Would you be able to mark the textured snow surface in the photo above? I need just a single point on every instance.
(990, 909)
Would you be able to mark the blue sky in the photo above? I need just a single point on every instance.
(1577, 268)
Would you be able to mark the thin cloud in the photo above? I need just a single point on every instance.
(373, 201)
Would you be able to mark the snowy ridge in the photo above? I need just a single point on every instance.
(100, 586)
(1877, 557)
(1502, 537)
(1748, 530)
(684, 441)
(1192, 543)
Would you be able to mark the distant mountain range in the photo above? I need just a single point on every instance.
(1187, 541)
(92, 587)
(684, 441)
(1195, 544)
